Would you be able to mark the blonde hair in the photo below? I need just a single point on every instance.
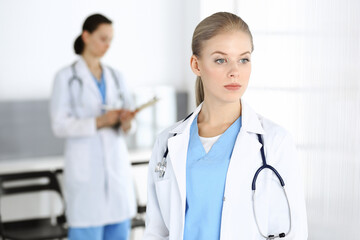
(208, 28)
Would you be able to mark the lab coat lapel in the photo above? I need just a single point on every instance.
(246, 147)
(178, 148)
(178, 153)
(111, 88)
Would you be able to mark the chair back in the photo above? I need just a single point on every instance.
(31, 182)
(6, 188)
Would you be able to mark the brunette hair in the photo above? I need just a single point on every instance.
(91, 24)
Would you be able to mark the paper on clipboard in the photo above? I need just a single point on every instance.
(138, 109)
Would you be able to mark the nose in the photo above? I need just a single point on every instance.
(233, 70)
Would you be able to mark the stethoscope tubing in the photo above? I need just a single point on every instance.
(253, 188)
(76, 78)
(73, 79)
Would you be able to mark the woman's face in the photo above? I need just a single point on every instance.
(224, 66)
(98, 42)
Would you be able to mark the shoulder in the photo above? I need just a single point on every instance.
(164, 135)
(113, 71)
(64, 70)
(271, 128)
(64, 74)
(160, 144)
(275, 135)
(116, 75)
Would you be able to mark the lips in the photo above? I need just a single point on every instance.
(233, 86)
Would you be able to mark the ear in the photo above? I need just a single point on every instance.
(85, 36)
(194, 63)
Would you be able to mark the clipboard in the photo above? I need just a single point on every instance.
(147, 104)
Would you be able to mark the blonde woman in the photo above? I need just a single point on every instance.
(224, 172)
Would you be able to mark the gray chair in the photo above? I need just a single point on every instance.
(139, 221)
(36, 228)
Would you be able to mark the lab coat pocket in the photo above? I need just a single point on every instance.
(163, 191)
(78, 160)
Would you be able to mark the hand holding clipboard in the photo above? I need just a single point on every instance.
(125, 116)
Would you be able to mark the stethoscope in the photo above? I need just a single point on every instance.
(76, 78)
(161, 169)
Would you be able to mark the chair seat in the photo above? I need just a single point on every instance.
(34, 229)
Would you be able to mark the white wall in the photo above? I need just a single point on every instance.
(305, 77)
(38, 35)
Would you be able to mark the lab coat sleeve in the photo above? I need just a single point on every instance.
(294, 184)
(128, 102)
(155, 226)
(63, 121)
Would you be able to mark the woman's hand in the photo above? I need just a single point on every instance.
(126, 117)
(109, 119)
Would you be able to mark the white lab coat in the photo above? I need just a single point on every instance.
(97, 176)
(167, 196)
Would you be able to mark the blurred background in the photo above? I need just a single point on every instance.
(305, 77)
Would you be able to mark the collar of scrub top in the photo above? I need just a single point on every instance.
(249, 122)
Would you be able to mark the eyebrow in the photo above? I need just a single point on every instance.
(226, 54)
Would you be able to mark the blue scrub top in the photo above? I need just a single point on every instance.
(205, 183)
(101, 86)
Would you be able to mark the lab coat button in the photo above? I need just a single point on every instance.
(224, 198)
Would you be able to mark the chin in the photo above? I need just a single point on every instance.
(234, 97)
(100, 54)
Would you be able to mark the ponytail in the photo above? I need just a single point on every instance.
(79, 45)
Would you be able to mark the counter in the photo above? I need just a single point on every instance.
(57, 162)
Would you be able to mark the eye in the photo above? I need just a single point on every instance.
(244, 60)
(220, 61)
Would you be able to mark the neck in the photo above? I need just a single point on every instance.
(216, 114)
(92, 62)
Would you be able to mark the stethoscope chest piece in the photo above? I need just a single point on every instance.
(161, 168)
